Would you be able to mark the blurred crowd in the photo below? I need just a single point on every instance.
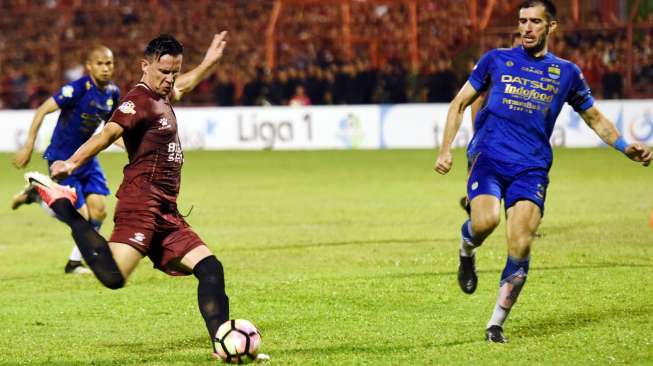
(43, 44)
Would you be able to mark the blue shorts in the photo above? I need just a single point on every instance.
(87, 179)
(507, 181)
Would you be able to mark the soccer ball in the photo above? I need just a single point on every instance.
(237, 341)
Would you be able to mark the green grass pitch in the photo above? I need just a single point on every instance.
(346, 258)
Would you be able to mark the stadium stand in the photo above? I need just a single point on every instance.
(341, 52)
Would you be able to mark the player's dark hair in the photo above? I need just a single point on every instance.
(164, 44)
(548, 5)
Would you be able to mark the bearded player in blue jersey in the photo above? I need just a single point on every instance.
(510, 153)
(84, 104)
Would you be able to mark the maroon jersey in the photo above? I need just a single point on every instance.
(153, 174)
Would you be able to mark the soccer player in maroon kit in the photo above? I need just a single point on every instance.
(147, 222)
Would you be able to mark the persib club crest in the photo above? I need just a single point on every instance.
(67, 91)
(127, 107)
(554, 72)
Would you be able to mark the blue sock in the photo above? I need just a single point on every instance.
(468, 235)
(514, 267)
(96, 225)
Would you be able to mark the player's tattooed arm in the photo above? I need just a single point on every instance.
(608, 133)
(463, 99)
(109, 134)
(189, 80)
(24, 154)
(601, 125)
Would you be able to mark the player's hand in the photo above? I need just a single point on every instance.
(23, 156)
(640, 153)
(61, 169)
(214, 53)
(444, 162)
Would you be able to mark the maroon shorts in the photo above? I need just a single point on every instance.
(159, 233)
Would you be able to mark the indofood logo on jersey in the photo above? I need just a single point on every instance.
(554, 72)
(527, 89)
(351, 131)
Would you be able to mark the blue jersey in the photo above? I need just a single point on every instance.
(84, 106)
(524, 97)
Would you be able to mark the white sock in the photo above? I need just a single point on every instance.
(467, 249)
(75, 254)
(498, 316)
(508, 294)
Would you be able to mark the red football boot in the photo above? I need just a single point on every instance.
(49, 190)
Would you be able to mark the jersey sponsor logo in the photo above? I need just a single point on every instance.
(127, 107)
(532, 69)
(138, 238)
(554, 72)
(527, 94)
(164, 123)
(535, 84)
(67, 91)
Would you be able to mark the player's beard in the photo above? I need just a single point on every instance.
(539, 46)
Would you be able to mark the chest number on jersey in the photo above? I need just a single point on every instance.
(174, 152)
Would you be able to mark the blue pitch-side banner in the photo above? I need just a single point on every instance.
(404, 126)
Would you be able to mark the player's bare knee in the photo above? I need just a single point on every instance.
(98, 215)
(97, 212)
(520, 247)
(484, 224)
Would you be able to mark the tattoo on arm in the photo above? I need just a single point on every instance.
(603, 128)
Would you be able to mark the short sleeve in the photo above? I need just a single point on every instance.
(480, 76)
(115, 100)
(580, 95)
(126, 115)
(70, 94)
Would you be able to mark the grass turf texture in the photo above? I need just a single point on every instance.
(345, 258)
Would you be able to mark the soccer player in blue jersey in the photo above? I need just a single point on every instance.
(510, 152)
(84, 104)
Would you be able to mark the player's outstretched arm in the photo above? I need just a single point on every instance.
(189, 80)
(111, 132)
(24, 154)
(464, 98)
(608, 133)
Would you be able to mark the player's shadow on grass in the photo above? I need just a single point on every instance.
(558, 323)
(345, 243)
(497, 270)
(344, 348)
(136, 353)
